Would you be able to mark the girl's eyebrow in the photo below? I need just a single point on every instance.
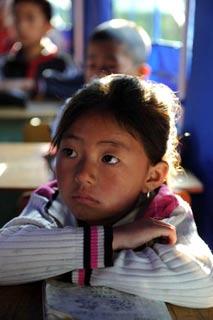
(115, 143)
(72, 136)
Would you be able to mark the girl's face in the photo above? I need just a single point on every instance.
(101, 169)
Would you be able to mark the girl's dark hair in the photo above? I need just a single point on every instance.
(43, 4)
(145, 109)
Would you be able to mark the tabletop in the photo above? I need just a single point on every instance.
(23, 166)
(186, 180)
(46, 110)
(24, 302)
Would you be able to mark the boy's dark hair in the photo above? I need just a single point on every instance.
(43, 4)
(135, 39)
(145, 109)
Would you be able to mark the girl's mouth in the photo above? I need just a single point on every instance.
(84, 198)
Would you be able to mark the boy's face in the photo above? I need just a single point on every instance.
(101, 169)
(31, 23)
(105, 57)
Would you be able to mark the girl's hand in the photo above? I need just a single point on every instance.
(141, 231)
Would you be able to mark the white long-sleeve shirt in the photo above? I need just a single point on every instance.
(46, 240)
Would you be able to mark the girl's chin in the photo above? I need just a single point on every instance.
(94, 216)
(93, 220)
(87, 214)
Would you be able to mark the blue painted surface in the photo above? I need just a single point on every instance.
(199, 116)
(95, 12)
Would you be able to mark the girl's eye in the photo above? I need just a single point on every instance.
(69, 153)
(108, 158)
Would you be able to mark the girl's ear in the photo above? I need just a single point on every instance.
(157, 175)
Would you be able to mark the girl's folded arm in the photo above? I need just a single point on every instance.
(181, 274)
(33, 247)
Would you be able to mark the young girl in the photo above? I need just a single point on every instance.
(110, 218)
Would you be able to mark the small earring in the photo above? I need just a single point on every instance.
(148, 195)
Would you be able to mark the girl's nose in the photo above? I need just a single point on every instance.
(85, 173)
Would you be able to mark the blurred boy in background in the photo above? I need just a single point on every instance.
(115, 46)
(31, 55)
(118, 46)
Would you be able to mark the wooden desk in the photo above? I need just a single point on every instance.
(42, 109)
(182, 313)
(22, 166)
(26, 302)
(187, 181)
(13, 119)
